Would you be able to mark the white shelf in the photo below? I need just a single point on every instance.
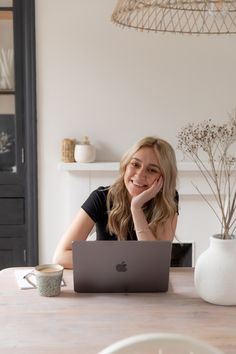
(112, 166)
(92, 166)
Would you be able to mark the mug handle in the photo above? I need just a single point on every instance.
(26, 277)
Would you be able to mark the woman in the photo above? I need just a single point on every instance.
(142, 204)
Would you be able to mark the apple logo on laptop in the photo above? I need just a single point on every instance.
(121, 267)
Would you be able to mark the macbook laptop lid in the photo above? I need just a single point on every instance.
(121, 266)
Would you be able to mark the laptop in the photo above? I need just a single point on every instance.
(121, 266)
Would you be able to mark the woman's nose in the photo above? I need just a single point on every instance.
(141, 172)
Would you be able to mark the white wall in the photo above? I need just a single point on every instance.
(117, 85)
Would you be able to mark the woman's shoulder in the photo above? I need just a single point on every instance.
(100, 192)
(96, 199)
(95, 204)
(103, 189)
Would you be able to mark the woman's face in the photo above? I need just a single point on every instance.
(142, 170)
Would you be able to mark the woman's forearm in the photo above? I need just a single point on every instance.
(78, 230)
(141, 226)
(143, 231)
(63, 258)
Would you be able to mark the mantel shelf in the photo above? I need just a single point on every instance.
(113, 166)
(92, 166)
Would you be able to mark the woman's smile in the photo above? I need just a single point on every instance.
(138, 184)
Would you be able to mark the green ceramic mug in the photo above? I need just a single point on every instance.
(48, 279)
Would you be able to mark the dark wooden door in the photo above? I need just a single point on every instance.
(18, 153)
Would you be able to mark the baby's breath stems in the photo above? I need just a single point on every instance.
(208, 145)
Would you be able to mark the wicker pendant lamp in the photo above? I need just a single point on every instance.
(179, 16)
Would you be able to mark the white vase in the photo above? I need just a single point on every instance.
(215, 272)
(84, 153)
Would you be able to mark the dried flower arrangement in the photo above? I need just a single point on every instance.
(209, 145)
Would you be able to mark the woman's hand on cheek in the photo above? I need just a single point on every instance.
(139, 200)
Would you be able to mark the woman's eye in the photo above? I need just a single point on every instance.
(152, 170)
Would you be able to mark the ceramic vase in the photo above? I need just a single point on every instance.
(84, 153)
(215, 272)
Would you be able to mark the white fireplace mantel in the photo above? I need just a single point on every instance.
(113, 166)
(105, 172)
(196, 221)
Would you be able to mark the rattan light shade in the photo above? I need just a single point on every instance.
(180, 16)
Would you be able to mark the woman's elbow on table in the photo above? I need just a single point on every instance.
(64, 258)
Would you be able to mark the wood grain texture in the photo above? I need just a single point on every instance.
(86, 323)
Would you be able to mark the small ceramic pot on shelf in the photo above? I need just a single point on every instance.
(85, 152)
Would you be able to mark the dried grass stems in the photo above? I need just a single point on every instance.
(211, 147)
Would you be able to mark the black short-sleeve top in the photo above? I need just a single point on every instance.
(96, 207)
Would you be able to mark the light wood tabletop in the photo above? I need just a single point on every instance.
(86, 323)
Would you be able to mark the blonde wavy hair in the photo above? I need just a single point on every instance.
(157, 210)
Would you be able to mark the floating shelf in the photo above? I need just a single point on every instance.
(113, 166)
(7, 92)
(92, 166)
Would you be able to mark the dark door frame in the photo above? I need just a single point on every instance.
(25, 78)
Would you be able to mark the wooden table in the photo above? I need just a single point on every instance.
(86, 323)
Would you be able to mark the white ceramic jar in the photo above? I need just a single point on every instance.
(85, 152)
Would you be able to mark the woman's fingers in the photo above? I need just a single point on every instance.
(148, 194)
